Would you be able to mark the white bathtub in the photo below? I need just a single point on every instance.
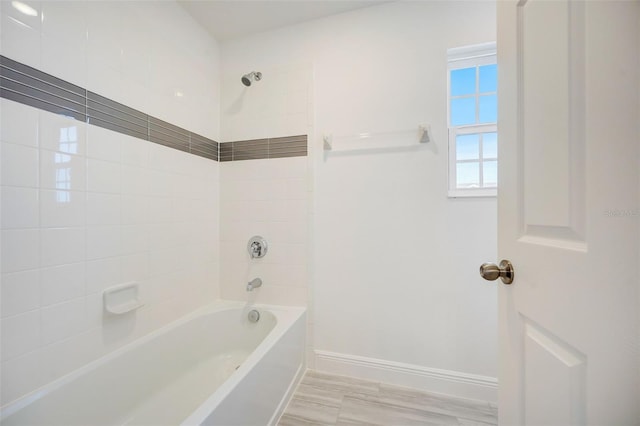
(212, 367)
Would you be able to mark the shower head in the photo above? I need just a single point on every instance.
(252, 76)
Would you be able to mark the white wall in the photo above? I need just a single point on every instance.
(135, 211)
(394, 266)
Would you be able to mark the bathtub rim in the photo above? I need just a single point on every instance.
(285, 316)
(293, 314)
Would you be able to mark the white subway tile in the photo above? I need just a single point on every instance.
(160, 183)
(103, 176)
(20, 376)
(19, 123)
(62, 171)
(185, 210)
(20, 42)
(232, 189)
(163, 261)
(236, 251)
(20, 250)
(103, 77)
(103, 241)
(134, 93)
(135, 239)
(162, 158)
(282, 295)
(59, 246)
(135, 152)
(297, 102)
(135, 267)
(60, 208)
(135, 180)
(103, 209)
(103, 273)
(19, 165)
(135, 209)
(296, 188)
(296, 210)
(65, 59)
(65, 21)
(297, 124)
(19, 207)
(95, 311)
(286, 254)
(263, 210)
(265, 189)
(62, 134)
(237, 230)
(20, 292)
(271, 272)
(294, 231)
(32, 20)
(292, 167)
(103, 144)
(102, 40)
(160, 210)
(62, 283)
(62, 320)
(20, 334)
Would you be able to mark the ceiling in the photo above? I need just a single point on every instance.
(228, 19)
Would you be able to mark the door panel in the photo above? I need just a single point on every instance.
(551, 87)
(569, 212)
(552, 364)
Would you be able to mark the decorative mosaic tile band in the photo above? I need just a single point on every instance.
(29, 86)
(290, 146)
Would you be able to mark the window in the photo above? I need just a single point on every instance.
(473, 116)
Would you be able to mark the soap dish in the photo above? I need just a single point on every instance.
(121, 298)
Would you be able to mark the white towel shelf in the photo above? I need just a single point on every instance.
(402, 138)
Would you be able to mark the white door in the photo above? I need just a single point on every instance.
(568, 212)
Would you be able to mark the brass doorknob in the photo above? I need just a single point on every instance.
(491, 271)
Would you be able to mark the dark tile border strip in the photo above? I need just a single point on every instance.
(30, 86)
(289, 146)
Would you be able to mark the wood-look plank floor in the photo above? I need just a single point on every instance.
(324, 399)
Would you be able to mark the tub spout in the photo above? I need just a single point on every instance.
(254, 283)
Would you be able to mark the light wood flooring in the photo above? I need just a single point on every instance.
(324, 399)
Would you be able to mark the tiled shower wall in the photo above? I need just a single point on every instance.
(83, 207)
(268, 197)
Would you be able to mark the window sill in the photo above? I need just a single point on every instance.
(473, 193)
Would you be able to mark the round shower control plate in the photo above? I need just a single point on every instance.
(257, 247)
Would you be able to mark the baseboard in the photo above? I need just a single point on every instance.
(454, 383)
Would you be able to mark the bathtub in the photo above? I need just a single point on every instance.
(211, 367)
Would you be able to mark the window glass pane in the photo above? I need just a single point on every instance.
(490, 174)
(463, 81)
(467, 147)
(468, 175)
(490, 145)
(463, 111)
(488, 78)
(488, 109)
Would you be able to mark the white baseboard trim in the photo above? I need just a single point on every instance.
(454, 383)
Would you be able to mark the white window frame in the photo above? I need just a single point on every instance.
(467, 57)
